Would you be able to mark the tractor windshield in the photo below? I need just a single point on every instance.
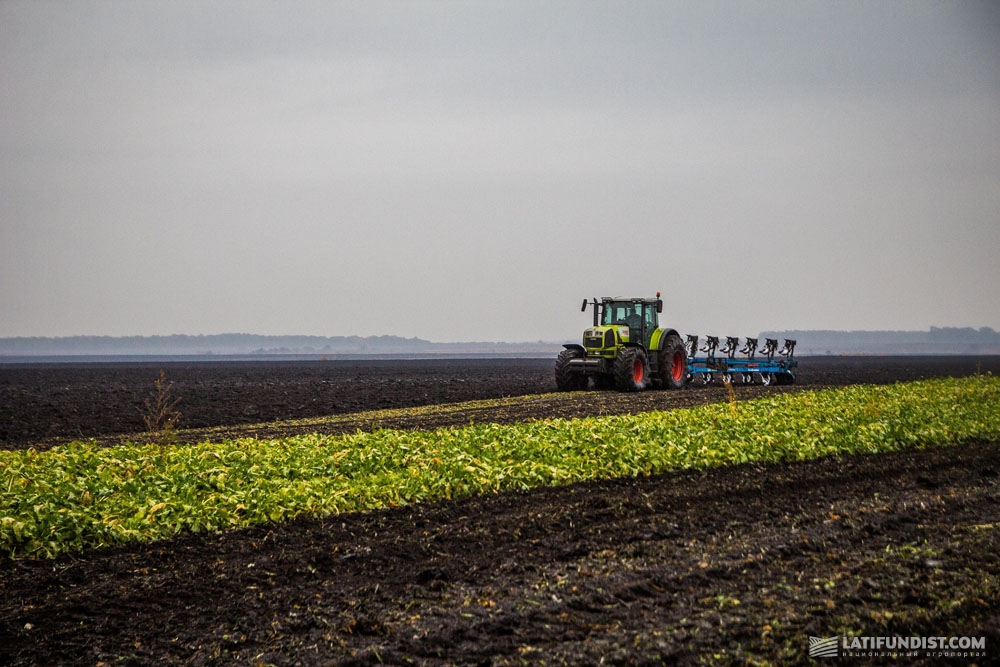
(622, 312)
(636, 315)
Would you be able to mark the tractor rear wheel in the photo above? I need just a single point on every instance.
(673, 363)
(631, 369)
(567, 380)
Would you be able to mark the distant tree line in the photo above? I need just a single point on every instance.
(208, 344)
(937, 340)
(251, 344)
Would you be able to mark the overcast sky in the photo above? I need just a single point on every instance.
(472, 170)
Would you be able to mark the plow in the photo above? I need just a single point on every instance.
(733, 362)
(627, 349)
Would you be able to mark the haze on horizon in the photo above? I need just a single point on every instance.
(470, 171)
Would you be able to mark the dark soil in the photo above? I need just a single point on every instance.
(731, 565)
(44, 401)
(44, 404)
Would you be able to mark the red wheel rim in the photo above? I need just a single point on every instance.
(678, 368)
(638, 371)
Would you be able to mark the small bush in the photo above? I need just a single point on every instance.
(159, 412)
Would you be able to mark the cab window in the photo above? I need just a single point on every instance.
(616, 312)
(650, 312)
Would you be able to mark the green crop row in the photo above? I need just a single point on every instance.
(83, 496)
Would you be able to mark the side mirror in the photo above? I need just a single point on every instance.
(659, 305)
(583, 308)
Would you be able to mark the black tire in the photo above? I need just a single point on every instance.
(672, 361)
(566, 380)
(631, 369)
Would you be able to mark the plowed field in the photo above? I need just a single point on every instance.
(729, 565)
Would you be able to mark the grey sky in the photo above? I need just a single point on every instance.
(472, 170)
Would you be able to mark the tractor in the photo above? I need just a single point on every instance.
(626, 349)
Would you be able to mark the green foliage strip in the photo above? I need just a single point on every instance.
(83, 496)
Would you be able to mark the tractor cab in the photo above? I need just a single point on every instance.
(639, 315)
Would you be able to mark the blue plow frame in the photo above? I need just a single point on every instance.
(773, 367)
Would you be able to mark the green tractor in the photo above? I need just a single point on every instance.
(625, 349)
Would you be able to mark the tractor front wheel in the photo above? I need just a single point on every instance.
(567, 380)
(631, 369)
